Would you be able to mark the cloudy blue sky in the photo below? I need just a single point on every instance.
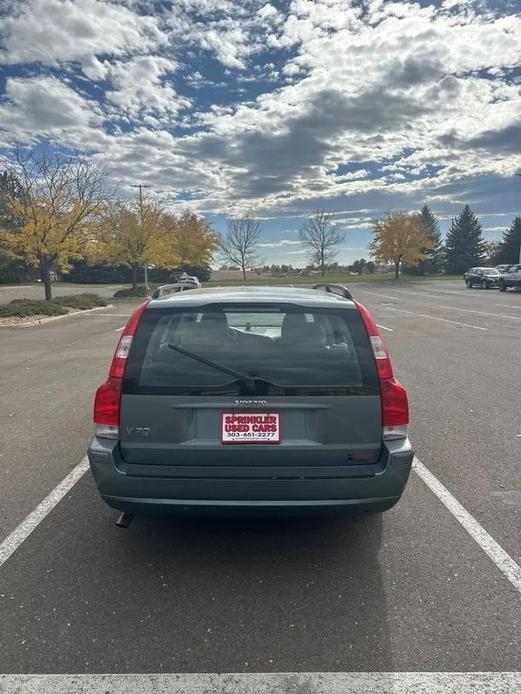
(278, 108)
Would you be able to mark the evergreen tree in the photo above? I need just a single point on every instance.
(465, 245)
(433, 263)
(508, 251)
(431, 224)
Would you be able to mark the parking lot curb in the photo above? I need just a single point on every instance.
(29, 324)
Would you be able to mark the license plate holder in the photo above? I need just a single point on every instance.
(250, 428)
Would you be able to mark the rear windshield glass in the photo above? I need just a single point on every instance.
(251, 350)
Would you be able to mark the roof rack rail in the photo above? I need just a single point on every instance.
(333, 288)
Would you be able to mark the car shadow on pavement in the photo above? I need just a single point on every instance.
(292, 594)
(201, 595)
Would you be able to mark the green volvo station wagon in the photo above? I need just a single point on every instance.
(251, 400)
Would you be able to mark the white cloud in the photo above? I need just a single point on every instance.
(228, 46)
(230, 31)
(53, 31)
(279, 244)
(94, 69)
(358, 225)
(370, 91)
(269, 13)
(141, 86)
(422, 99)
(45, 106)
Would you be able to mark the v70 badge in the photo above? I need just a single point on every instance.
(139, 431)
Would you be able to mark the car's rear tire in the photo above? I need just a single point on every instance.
(502, 286)
(469, 284)
(484, 284)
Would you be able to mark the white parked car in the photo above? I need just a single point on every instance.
(190, 279)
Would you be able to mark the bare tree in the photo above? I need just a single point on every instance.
(321, 239)
(237, 245)
(59, 196)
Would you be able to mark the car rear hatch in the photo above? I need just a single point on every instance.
(251, 390)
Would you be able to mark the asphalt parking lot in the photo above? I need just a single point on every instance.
(422, 589)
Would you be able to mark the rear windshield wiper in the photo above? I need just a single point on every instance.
(243, 378)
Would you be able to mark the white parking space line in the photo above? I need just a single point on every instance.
(431, 317)
(118, 330)
(26, 527)
(501, 559)
(483, 313)
(401, 310)
(444, 291)
(268, 683)
(386, 316)
(384, 328)
(422, 293)
(509, 306)
(385, 296)
(454, 322)
(434, 293)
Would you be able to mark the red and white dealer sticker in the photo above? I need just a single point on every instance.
(250, 427)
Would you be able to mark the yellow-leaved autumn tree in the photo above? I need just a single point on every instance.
(57, 199)
(399, 237)
(134, 235)
(193, 238)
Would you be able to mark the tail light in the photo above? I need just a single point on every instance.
(106, 408)
(108, 396)
(395, 407)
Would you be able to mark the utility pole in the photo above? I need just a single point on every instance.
(140, 186)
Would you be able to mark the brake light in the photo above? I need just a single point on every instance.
(108, 396)
(395, 406)
(395, 409)
(106, 408)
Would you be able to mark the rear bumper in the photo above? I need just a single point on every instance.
(250, 509)
(128, 488)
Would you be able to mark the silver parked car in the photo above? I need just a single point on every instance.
(510, 278)
(191, 280)
(251, 399)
